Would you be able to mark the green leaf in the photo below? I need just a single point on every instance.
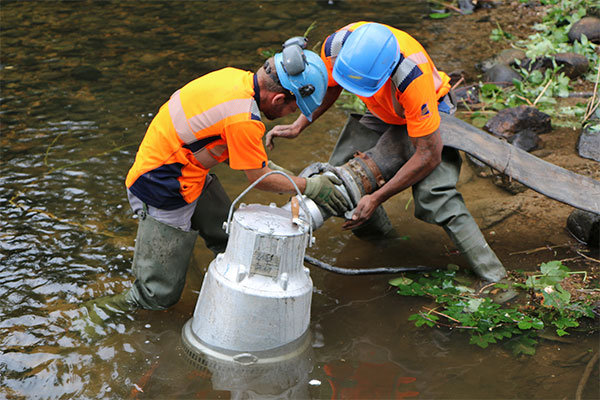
(479, 122)
(473, 305)
(523, 345)
(439, 15)
(556, 297)
(400, 281)
(537, 324)
(554, 268)
(524, 325)
(479, 341)
(490, 88)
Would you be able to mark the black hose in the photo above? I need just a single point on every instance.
(365, 271)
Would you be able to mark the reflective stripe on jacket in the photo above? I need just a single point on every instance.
(211, 119)
(410, 96)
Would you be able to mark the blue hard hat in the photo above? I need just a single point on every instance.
(367, 59)
(303, 73)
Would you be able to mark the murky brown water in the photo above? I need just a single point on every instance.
(80, 82)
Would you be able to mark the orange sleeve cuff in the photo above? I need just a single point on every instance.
(245, 146)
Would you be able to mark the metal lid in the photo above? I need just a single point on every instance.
(268, 220)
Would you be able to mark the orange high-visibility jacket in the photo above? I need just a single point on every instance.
(415, 83)
(212, 119)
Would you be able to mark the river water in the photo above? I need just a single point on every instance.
(80, 83)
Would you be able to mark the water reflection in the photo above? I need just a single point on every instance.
(281, 373)
(80, 83)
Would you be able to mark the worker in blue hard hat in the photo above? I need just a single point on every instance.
(215, 118)
(404, 93)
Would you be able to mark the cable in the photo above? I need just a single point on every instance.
(365, 271)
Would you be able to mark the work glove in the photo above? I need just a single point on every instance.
(321, 189)
(276, 167)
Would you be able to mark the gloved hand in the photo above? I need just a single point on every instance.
(276, 167)
(321, 189)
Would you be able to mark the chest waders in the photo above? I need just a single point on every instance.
(436, 199)
(160, 263)
(162, 252)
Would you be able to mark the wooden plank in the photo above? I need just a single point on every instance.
(548, 179)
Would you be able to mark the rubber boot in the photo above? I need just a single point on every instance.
(160, 263)
(472, 245)
(438, 202)
(212, 209)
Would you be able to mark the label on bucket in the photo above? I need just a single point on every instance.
(266, 258)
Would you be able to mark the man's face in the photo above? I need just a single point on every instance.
(280, 110)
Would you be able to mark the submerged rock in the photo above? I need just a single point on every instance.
(86, 73)
(585, 226)
(588, 26)
(513, 120)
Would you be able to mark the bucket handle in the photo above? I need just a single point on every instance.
(302, 203)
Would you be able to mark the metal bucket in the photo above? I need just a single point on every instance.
(257, 295)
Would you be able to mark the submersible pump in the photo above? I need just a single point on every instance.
(254, 304)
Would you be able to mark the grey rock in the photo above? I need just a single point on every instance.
(466, 6)
(588, 144)
(512, 120)
(502, 75)
(588, 26)
(585, 226)
(526, 140)
(506, 57)
(573, 65)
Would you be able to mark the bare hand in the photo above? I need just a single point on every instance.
(363, 211)
(286, 131)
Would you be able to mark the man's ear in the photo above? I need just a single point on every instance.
(278, 99)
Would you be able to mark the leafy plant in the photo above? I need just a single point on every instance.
(271, 52)
(461, 307)
(499, 34)
(559, 308)
(537, 88)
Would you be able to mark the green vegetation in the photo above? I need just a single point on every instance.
(266, 53)
(553, 298)
(499, 34)
(542, 89)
